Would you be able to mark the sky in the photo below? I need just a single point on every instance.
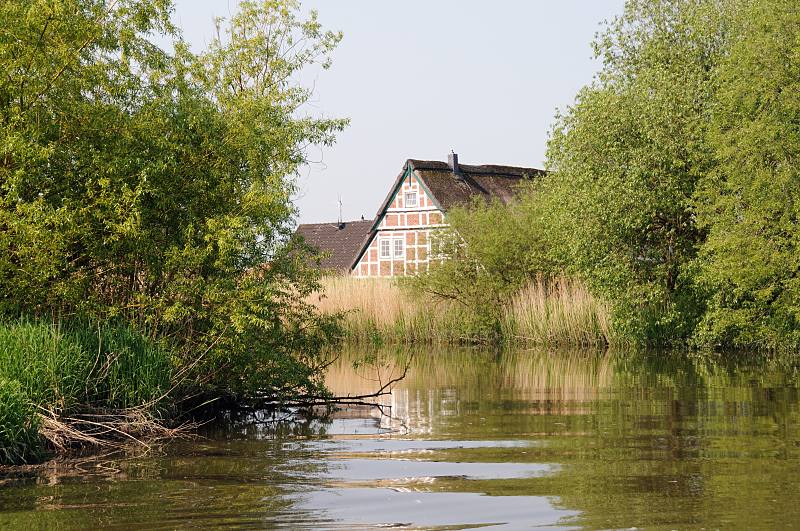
(420, 78)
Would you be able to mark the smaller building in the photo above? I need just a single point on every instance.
(340, 242)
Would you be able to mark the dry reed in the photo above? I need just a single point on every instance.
(381, 310)
(560, 312)
(108, 430)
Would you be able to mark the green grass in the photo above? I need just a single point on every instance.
(69, 368)
(19, 425)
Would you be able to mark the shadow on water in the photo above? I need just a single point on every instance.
(509, 439)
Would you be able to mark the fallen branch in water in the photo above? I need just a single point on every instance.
(306, 401)
(106, 429)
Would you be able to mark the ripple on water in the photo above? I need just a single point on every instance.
(354, 508)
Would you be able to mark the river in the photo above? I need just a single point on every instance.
(470, 438)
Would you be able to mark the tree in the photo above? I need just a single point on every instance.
(156, 188)
(626, 159)
(750, 263)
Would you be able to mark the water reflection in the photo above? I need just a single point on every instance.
(473, 438)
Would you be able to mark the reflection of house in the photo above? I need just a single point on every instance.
(397, 242)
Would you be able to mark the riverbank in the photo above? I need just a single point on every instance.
(69, 385)
(562, 313)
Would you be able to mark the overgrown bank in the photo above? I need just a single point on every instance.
(145, 204)
(67, 386)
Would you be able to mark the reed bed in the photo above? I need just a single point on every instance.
(560, 312)
(77, 385)
(380, 310)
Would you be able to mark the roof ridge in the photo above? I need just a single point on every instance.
(323, 223)
(497, 169)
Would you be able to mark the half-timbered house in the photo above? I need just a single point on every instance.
(399, 240)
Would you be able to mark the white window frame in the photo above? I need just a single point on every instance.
(402, 241)
(388, 242)
(409, 204)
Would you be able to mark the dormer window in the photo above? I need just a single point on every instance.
(411, 200)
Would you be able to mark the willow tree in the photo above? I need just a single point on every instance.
(750, 203)
(155, 187)
(626, 159)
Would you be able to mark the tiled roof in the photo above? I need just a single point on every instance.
(341, 242)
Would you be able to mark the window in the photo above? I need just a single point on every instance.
(399, 247)
(411, 199)
(385, 248)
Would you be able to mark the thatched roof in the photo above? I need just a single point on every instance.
(488, 181)
(341, 242)
(449, 189)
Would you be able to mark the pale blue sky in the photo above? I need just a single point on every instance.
(418, 78)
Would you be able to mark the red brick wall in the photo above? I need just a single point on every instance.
(411, 225)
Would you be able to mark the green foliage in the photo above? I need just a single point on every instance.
(64, 367)
(19, 426)
(626, 159)
(673, 184)
(750, 263)
(616, 209)
(488, 253)
(155, 188)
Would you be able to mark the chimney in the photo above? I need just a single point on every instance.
(452, 161)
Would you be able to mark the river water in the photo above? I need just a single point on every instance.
(470, 439)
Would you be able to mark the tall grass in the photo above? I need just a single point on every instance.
(61, 366)
(561, 312)
(381, 310)
(19, 425)
(72, 368)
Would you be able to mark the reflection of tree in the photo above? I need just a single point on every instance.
(230, 478)
(644, 438)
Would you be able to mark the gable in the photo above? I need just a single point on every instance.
(410, 205)
(406, 178)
